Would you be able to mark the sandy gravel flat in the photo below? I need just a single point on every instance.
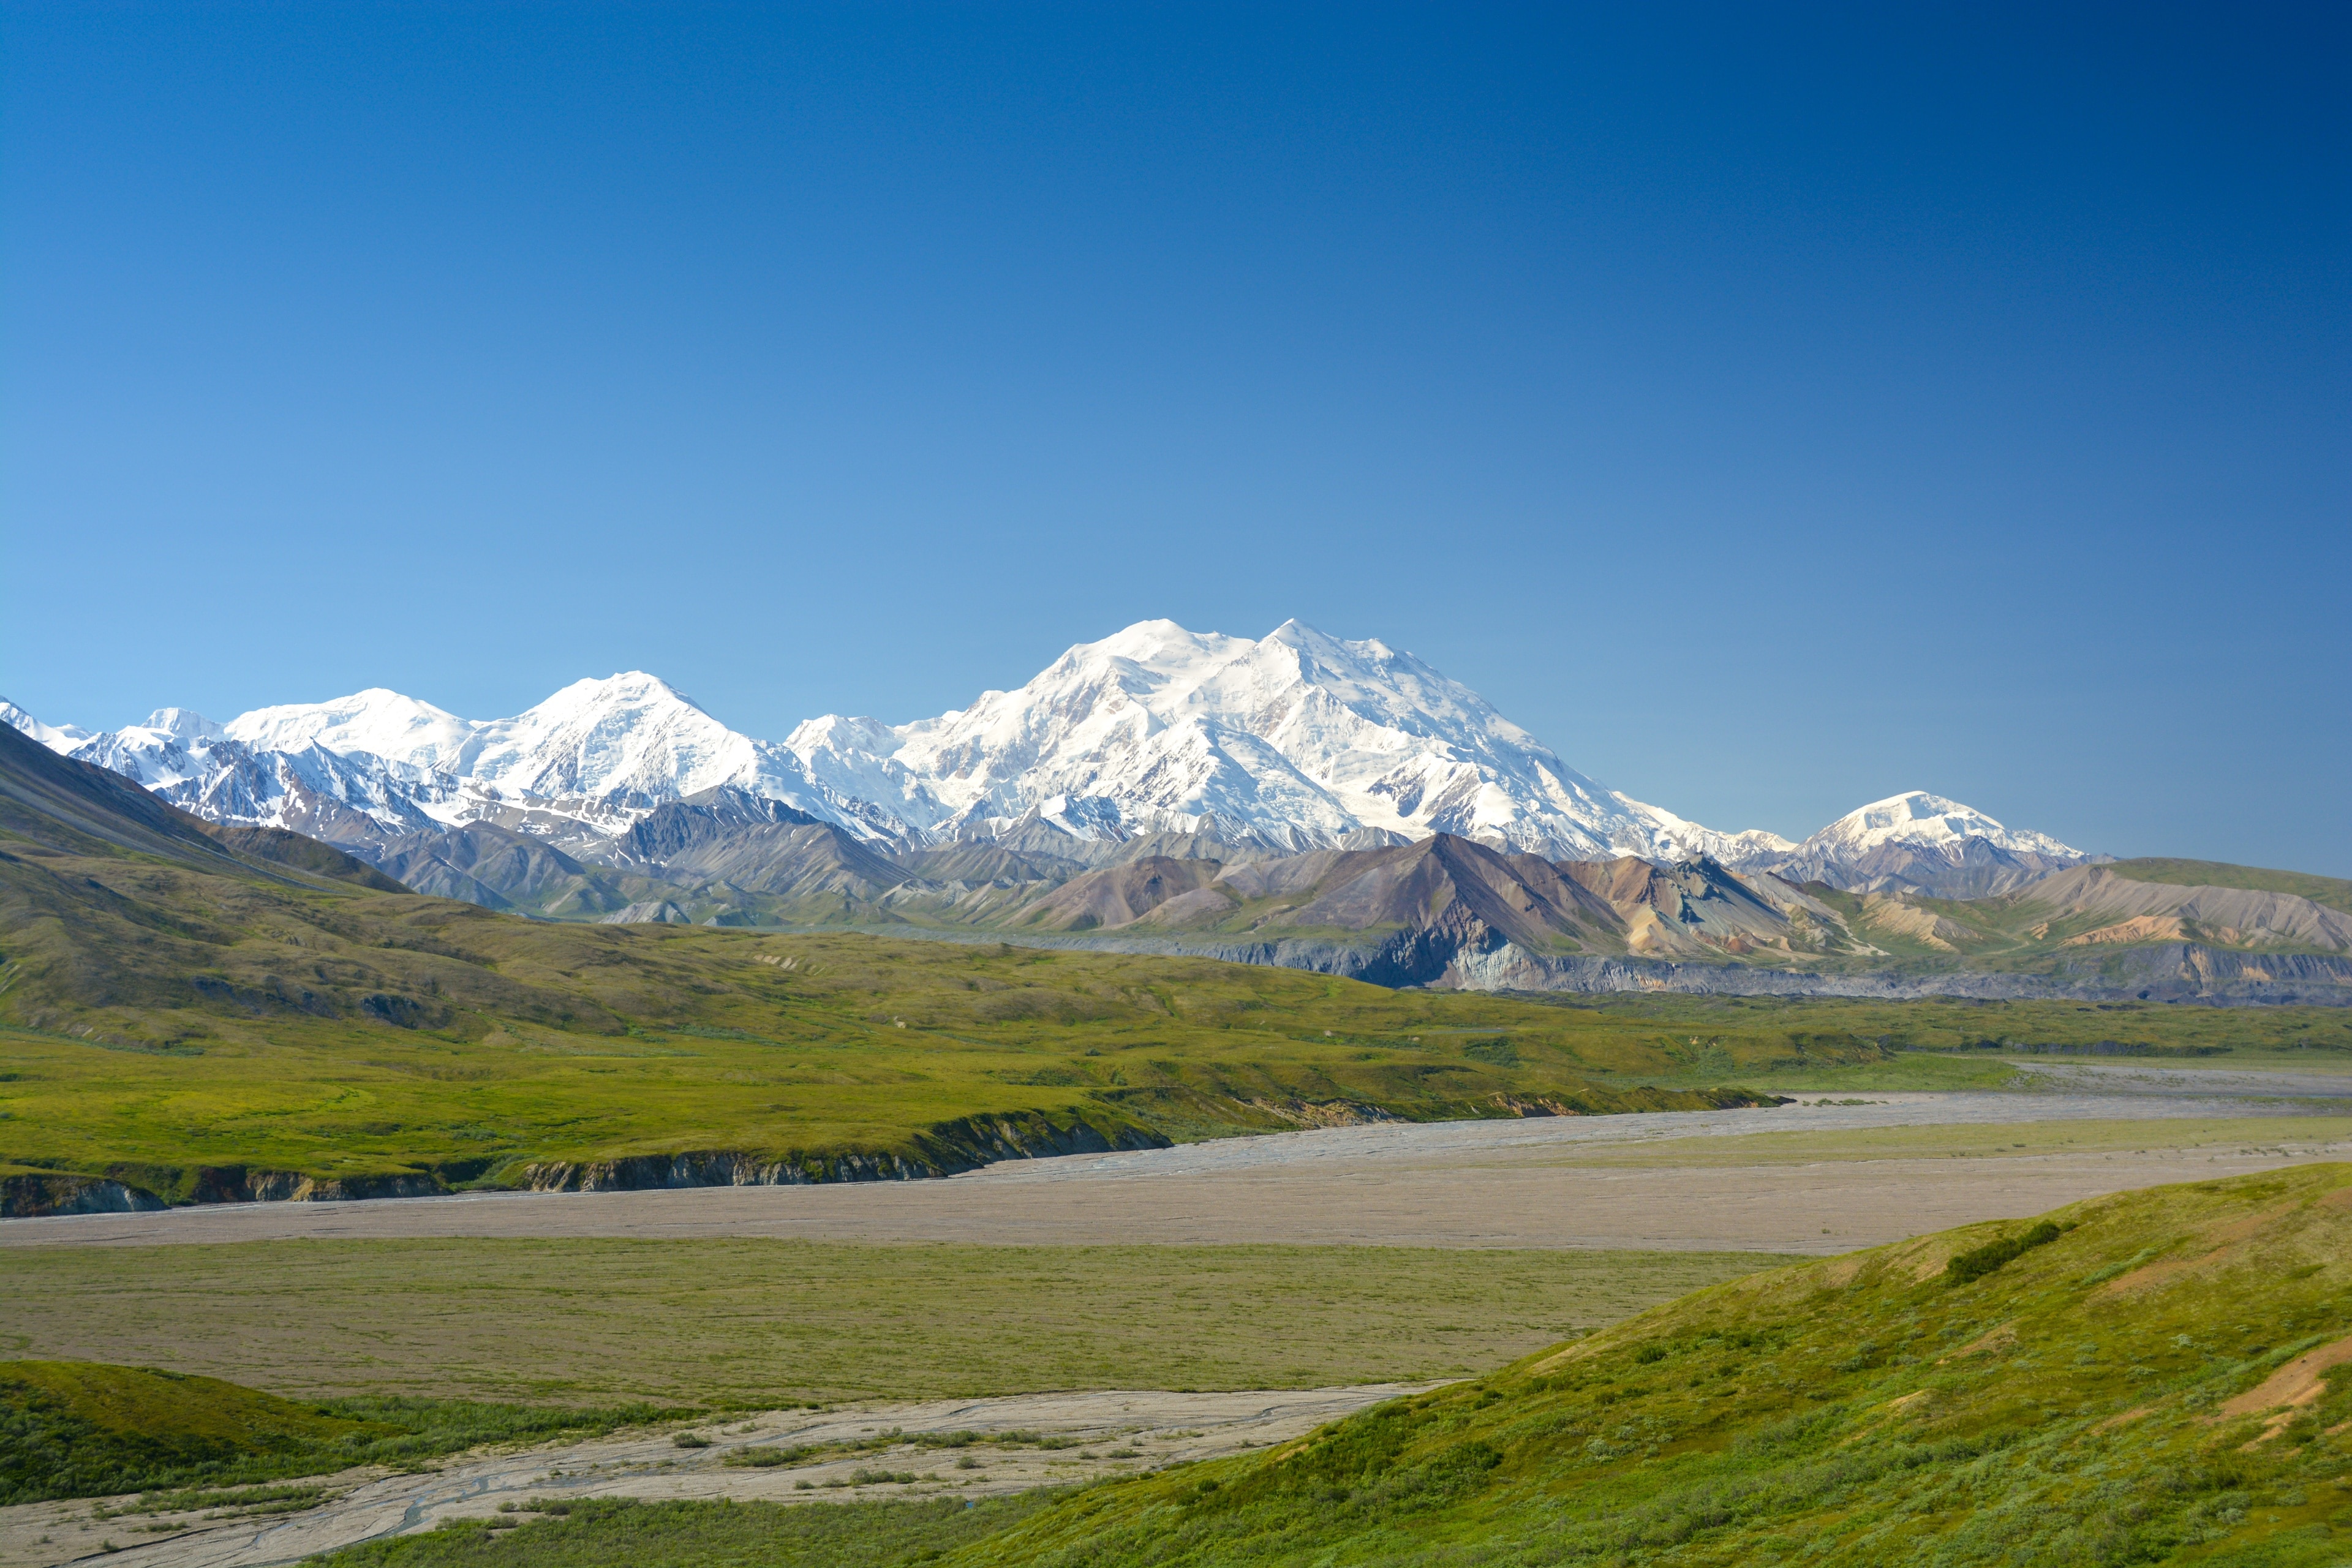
(2317, 1082)
(1147, 1428)
(1463, 1183)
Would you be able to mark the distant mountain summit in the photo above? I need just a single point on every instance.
(1920, 819)
(1916, 843)
(1297, 741)
(1156, 740)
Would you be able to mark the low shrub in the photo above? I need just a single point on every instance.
(1980, 1261)
(769, 1458)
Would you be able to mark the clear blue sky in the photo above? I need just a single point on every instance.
(1772, 407)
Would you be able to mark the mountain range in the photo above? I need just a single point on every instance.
(1297, 799)
(1293, 743)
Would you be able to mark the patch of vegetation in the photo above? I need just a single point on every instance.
(1966, 1267)
(756, 1323)
(92, 1429)
(1858, 1410)
(600, 1533)
(770, 1458)
(242, 1503)
(1944, 1042)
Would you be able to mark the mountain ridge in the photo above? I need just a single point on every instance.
(1291, 742)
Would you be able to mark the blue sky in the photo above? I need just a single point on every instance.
(1773, 408)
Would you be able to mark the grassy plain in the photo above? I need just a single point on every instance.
(762, 1322)
(800, 1048)
(788, 1047)
(177, 1020)
(1949, 1042)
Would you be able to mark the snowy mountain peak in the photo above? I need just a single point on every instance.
(1298, 739)
(633, 736)
(1298, 734)
(380, 722)
(185, 723)
(56, 737)
(1337, 653)
(1691, 840)
(630, 691)
(1162, 650)
(1917, 817)
(1916, 843)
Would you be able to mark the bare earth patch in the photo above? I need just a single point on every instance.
(1703, 1181)
(2299, 1383)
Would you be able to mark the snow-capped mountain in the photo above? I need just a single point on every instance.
(56, 737)
(1918, 843)
(189, 761)
(1298, 739)
(593, 758)
(380, 722)
(1295, 740)
(1917, 817)
(601, 751)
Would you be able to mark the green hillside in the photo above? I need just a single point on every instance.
(2155, 1375)
(2333, 891)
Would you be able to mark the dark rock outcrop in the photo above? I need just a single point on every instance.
(964, 1145)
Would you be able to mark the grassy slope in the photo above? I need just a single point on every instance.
(168, 1016)
(758, 1323)
(1992, 933)
(89, 1429)
(2112, 1397)
(2090, 1401)
(2333, 891)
